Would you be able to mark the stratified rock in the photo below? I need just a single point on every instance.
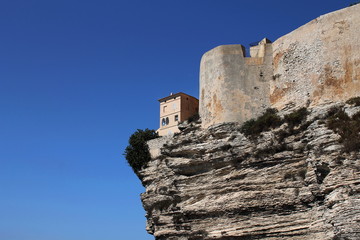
(219, 184)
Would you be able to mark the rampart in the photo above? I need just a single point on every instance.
(232, 87)
(316, 63)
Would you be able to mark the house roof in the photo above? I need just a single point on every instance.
(174, 96)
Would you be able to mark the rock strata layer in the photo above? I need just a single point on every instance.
(219, 184)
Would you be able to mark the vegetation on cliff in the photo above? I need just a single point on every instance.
(347, 127)
(337, 120)
(354, 101)
(137, 152)
(265, 122)
(270, 120)
(295, 181)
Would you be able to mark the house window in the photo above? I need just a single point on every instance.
(167, 121)
(163, 122)
(164, 108)
(176, 118)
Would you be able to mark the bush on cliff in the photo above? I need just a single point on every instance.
(137, 152)
(296, 117)
(348, 128)
(266, 121)
(193, 118)
(354, 101)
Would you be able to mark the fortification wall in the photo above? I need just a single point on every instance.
(318, 62)
(234, 88)
(315, 64)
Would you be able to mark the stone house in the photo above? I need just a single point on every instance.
(176, 108)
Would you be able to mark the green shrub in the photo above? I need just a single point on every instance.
(354, 101)
(337, 119)
(296, 117)
(263, 123)
(137, 152)
(193, 118)
(348, 128)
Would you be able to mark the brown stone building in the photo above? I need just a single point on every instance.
(174, 109)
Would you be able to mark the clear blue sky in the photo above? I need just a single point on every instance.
(78, 77)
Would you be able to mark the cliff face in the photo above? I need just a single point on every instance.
(286, 183)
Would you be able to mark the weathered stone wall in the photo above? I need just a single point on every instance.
(318, 62)
(233, 88)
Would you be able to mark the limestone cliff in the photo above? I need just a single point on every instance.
(286, 183)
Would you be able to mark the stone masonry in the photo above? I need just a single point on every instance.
(317, 63)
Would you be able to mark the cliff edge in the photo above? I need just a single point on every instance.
(292, 182)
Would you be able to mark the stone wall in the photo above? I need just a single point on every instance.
(318, 62)
(234, 88)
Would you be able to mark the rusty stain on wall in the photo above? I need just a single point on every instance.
(279, 93)
(348, 68)
(341, 26)
(277, 58)
(217, 105)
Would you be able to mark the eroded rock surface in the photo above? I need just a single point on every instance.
(219, 184)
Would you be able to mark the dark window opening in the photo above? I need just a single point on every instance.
(176, 118)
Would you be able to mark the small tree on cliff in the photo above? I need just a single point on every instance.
(137, 152)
